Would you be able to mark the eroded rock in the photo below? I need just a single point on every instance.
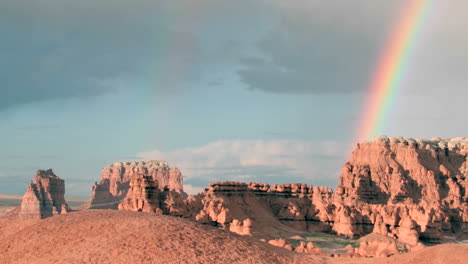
(44, 197)
(115, 181)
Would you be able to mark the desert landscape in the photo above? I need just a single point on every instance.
(246, 131)
(399, 200)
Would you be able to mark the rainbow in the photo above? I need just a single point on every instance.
(391, 68)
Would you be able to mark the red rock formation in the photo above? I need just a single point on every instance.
(406, 188)
(144, 195)
(242, 228)
(307, 248)
(401, 188)
(281, 243)
(260, 208)
(115, 179)
(375, 245)
(44, 197)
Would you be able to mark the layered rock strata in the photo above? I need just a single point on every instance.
(406, 188)
(115, 181)
(402, 188)
(145, 195)
(258, 208)
(44, 197)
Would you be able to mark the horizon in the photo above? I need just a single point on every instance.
(249, 91)
(192, 191)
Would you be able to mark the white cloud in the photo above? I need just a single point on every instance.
(257, 160)
(190, 189)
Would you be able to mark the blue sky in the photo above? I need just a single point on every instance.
(247, 90)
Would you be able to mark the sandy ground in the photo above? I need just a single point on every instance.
(128, 237)
(105, 236)
(441, 254)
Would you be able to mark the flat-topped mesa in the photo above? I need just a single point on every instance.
(116, 177)
(44, 196)
(259, 207)
(256, 188)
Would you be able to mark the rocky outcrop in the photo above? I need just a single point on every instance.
(401, 188)
(145, 195)
(115, 181)
(255, 208)
(407, 189)
(375, 245)
(241, 227)
(308, 247)
(280, 242)
(44, 197)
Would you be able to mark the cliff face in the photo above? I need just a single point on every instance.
(403, 186)
(144, 195)
(399, 170)
(115, 181)
(44, 197)
(262, 208)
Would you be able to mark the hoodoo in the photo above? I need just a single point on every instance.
(398, 187)
(44, 197)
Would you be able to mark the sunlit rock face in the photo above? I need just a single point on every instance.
(247, 208)
(403, 188)
(408, 188)
(44, 197)
(115, 181)
(142, 196)
(393, 170)
(145, 196)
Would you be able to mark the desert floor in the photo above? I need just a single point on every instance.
(106, 236)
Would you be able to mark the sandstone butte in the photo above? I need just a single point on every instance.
(115, 181)
(402, 189)
(44, 197)
(405, 189)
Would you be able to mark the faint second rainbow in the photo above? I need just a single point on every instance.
(391, 68)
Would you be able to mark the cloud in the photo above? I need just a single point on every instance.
(329, 47)
(56, 50)
(319, 47)
(49, 51)
(190, 189)
(256, 160)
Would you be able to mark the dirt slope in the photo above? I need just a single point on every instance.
(105, 236)
(128, 237)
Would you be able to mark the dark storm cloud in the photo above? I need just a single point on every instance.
(66, 49)
(58, 49)
(320, 47)
(334, 47)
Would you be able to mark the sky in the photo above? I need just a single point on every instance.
(246, 90)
